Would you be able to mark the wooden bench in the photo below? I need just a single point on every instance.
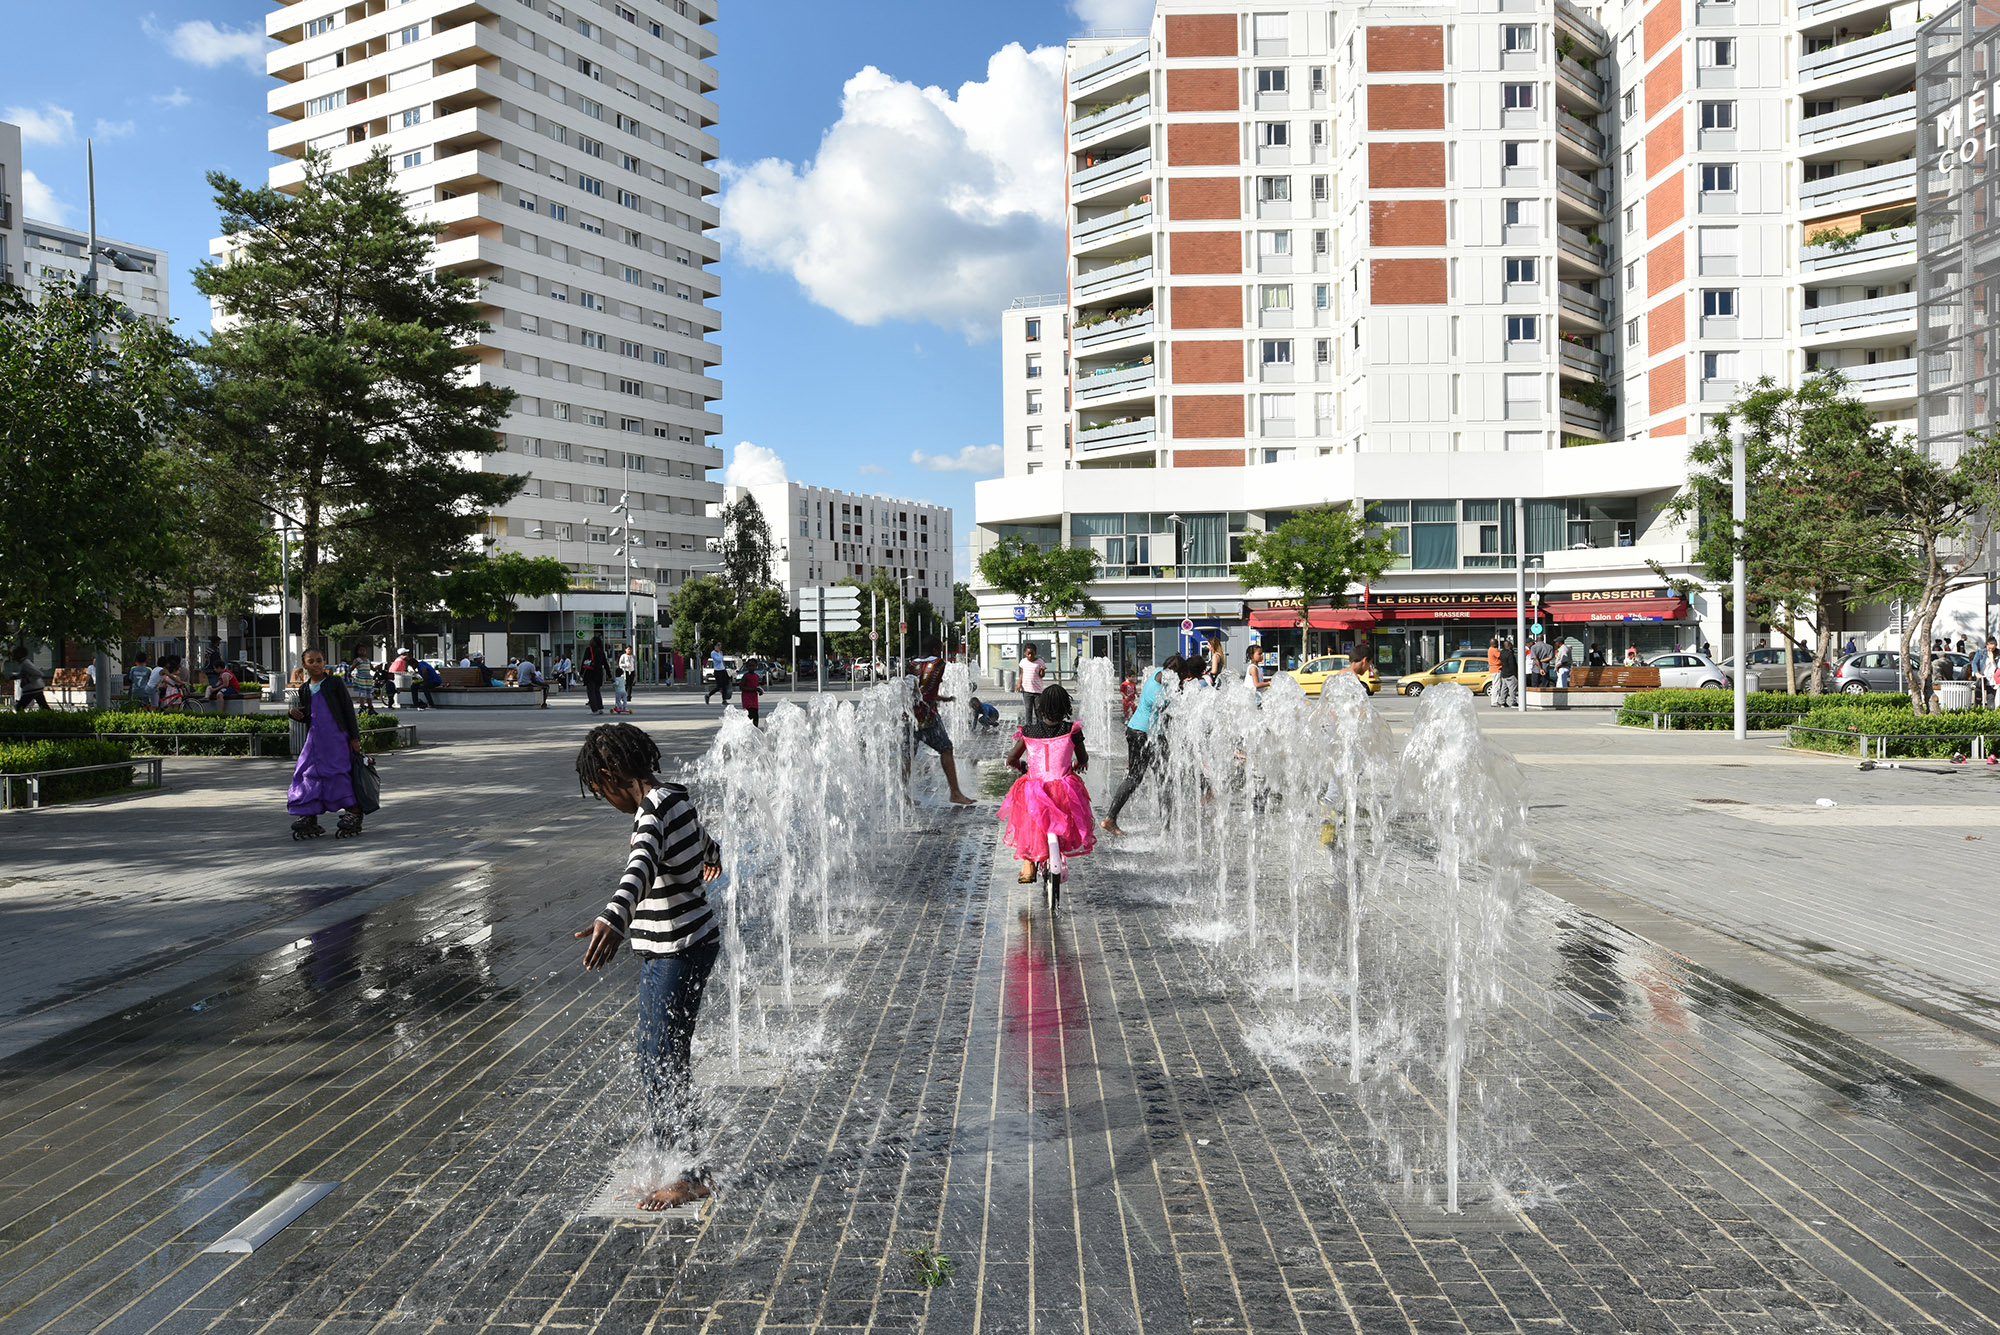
(1594, 688)
(465, 688)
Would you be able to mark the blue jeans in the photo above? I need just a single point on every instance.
(670, 988)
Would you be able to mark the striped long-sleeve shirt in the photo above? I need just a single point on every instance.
(660, 905)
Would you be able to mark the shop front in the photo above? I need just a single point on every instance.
(1291, 634)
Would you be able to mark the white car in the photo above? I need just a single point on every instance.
(1688, 671)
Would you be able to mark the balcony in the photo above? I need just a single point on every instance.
(1579, 362)
(1884, 316)
(1581, 303)
(1114, 67)
(1578, 420)
(1109, 226)
(1875, 253)
(1110, 333)
(1571, 73)
(1883, 384)
(1119, 116)
(1575, 189)
(1574, 24)
(1138, 431)
(1099, 283)
(1849, 191)
(1121, 170)
(1123, 381)
(1577, 245)
(1887, 53)
(1888, 116)
(1576, 133)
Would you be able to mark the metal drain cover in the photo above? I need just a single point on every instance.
(1722, 801)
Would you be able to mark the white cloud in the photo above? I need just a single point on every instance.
(208, 45)
(52, 125)
(971, 459)
(755, 466)
(922, 204)
(39, 202)
(177, 98)
(1113, 13)
(873, 470)
(113, 129)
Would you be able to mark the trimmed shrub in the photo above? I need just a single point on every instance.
(1911, 736)
(1714, 709)
(217, 731)
(66, 753)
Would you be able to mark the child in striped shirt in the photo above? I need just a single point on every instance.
(661, 907)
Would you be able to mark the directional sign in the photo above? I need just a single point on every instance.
(839, 598)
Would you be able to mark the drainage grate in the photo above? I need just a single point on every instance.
(279, 1211)
(1722, 801)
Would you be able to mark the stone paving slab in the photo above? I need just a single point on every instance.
(1091, 1114)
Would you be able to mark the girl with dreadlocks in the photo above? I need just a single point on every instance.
(661, 907)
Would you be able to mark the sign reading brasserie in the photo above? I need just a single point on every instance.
(1503, 599)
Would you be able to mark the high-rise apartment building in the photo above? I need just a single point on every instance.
(566, 149)
(1487, 269)
(822, 535)
(1034, 384)
(36, 254)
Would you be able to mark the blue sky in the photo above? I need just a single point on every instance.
(872, 228)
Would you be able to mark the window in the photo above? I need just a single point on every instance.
(1034, 439)
(1317, 79)
(1322, 296)
(627, 348)
(1820, 107)
(1271, 188)
(314, 27)
(1631, 333)
(1034, 403)
(1276, 297)
(1274, 134)
(631, 164)
(589, 339)
(415, 159)
(1277, 352)
(1034, 366)
(1715, 53)
(1273, 81)
(630, 200)
(591, 146)
(1520, 269)
(410, 34)
(1323, 352)
(1521, 212)
(1319, 134)
(1631, 161)
(1629, 104)
(1718, 303)
(1274, 243)
(559, 212)
(1718, 366)
(590, 301)
(1320, 190)
(1517, 37)
(628, 125)
(630, 275)
(590, 185)
(1032, 330)
(1631, 217)
(331, 102)
(1519, 153)
(414, 116)
(594, 110)
(1718, 115)
(1718, 249)
(1718, 178)
(1632, 276)
(1517, 96)
(1523, 329)
(1320, 242)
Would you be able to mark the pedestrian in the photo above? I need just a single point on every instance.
(1253, 670)
(526, 674)
(750, 689)
(1543, 654)
(323, 780)
(661, 907)
(1961, 645)
(1562, 665)
(224, 687)
(1032, 670)
(30, 686)
(212, 658)
(1509, 691)
(424, 683)
(621, 692)
(169, 691)
(1493, 656)
(928, 726)
(718, 675)
(1145, 743)
(1218, 660)
(593, 673)
(1986, 673)
(1631, 655)
(1049, 798)
(385, 683)
(139, 680)
(1595, 658)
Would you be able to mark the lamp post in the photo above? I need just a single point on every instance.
(1739, 579)
(1520, 604)
(1180, 559)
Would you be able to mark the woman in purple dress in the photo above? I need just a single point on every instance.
(324, 779)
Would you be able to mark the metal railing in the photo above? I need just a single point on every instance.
(1097, 120)
(1575, 242)
(1587, 360)
(1580, 301)
(1038, 302)
(1852, 314)
(1573, 127)
(1115, 63)
(1100, 173)
(1114, 275)
(9, 800)
(1580, 187)
(1882, 245)
(1111, 222)
(1888, 113)
(1897, 43)
(1662, 720)
(1899, 177)
(1877, 743)
(1589, 82)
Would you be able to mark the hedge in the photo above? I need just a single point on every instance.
(1711, 709)
(131, 721)
(27, 757)
(1907, 731)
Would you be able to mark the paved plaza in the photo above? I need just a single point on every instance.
(1742, 1075)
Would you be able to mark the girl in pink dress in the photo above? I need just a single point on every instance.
(1048, 798)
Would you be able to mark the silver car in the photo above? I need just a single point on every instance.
(1688, 671)
(1768, 665)
(1870, 670)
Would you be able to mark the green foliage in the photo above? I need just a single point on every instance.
(1316, 554)
(1705, 710)
(219, 731)
(483, 588)
(746, 548)
(341, 374)
(1594, 395)
(763, 626)
(1053, 583)
(1926, 735)
(28, 757)
(89, 400)
(933, 1267)
(703, 613)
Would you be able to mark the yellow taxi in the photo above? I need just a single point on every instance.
(1468, 670)
(1311, 675)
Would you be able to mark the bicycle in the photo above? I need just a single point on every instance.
(1050, 871)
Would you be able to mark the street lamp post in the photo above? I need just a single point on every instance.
(1180, 559)
(1520, 604)
(1739, 579)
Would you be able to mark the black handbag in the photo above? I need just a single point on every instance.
(367, 784)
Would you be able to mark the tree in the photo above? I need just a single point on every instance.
(224, 552)
(1815, 465)
(703, 613)
(485, 588)
(746, 548)
(88, 403)
(340, 362)
(963, 605)
(763, 625)
(1053, 583)
(1940, 516)
(1317, 554)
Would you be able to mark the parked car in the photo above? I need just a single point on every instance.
(1311, 675)
(1467, 670)
(250, 674)
(1870, 670)
(1769, 665)
(1688, 671)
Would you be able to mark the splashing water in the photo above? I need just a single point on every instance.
(1100, 712)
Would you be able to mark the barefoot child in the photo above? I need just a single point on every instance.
(1048, 798)
(661, 907)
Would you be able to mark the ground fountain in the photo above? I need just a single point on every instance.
(1100, 712)
(955, 709)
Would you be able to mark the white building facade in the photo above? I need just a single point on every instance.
(1462, 264)
(566, 148)
(36, 255)
(1034, 384)
(822, 535)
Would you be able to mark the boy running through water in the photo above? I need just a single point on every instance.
(661, 907)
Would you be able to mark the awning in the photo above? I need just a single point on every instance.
(1274, 618)
(1622, 609)
(1340, 618)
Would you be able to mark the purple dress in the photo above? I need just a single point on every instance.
(324, 779)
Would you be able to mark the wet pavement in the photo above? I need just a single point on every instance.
(1101, 1121)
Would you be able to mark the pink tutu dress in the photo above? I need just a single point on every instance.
(1048, 799)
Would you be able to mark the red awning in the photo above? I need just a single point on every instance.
(1620, 609)
(1273, 618)
(1340, 618)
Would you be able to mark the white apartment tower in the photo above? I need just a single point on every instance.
(1034, 384)
(1489, 268)
(36, 254)
(566, 149)
(822, 535)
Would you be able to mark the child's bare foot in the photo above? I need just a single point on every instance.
(682, 1191)
(1110, 826)
(961, 800)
